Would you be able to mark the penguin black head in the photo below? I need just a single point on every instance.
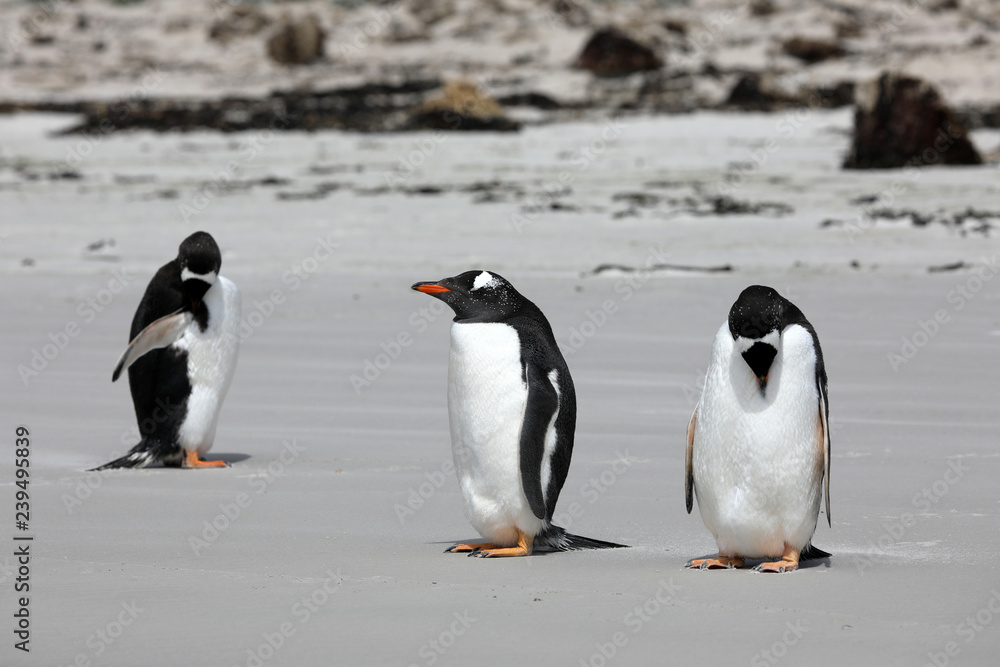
(476, 296)
(199, 260)
(756, 321)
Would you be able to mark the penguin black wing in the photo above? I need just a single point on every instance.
(551, 406)
(823, 442)
(542, 404)
(163, 296)
(689, 463)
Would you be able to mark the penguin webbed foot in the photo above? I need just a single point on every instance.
(789, 562)
(192, 460)
(490, 550)
(474, 547)
(723, 562)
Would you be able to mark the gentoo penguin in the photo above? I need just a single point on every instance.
(512, 410)
(758, 444)
(181, 358)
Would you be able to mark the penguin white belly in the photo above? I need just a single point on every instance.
(486, 402)
(211, 361)
(757, 465)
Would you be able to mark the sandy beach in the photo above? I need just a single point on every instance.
(634, 233)
(322, 543)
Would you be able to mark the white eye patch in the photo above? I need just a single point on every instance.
(773, 339)
(484, 279)
(188, 274)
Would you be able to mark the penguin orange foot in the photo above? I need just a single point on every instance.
(192, 460)
(722, 562)
(475, 546)
(523, 548)
(789, 562)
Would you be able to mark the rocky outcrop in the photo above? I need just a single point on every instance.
(610, 52)
(462, 106)
(297, 41)
(812, 49)
(902, 121)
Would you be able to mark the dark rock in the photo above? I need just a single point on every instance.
(954, 266)
(750, 93)
(373, 107)
(297, 42)
(838, 95)
(720, 268)
(761, 7)
(610, 52)
(535, 100)
(676, 26)
(811, 49)
(901, 121)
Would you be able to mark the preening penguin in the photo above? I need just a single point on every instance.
(758, 445)
(512, 411)
(181, 358)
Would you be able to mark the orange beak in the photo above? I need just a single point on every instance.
(430, 288)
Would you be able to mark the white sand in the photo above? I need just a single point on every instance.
(890, 594)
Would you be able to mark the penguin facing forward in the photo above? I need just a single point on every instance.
(181, 358)
(758, 444)
(512, 412)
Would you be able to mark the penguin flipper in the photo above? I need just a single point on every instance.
(823, 442)
(161, 333)
(542, 404)
(688, 460)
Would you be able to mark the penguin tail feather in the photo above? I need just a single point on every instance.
(144, 454)
(554, 538)
(813, 553)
